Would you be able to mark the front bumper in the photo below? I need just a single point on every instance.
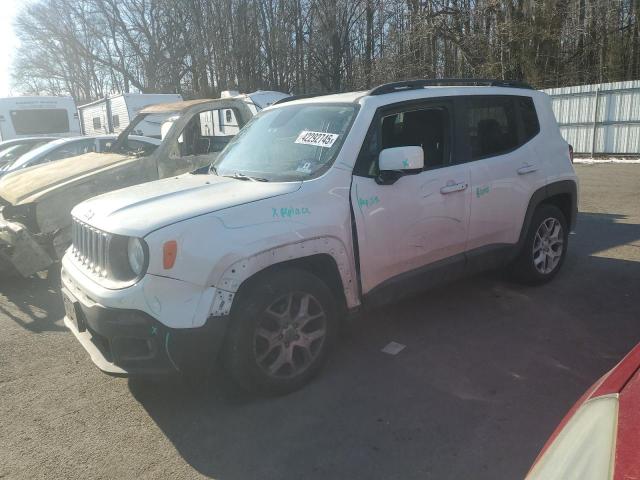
(131, 342)
(157, 325)
(20, 250)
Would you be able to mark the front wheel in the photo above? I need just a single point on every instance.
(280, 331)
(545, 247)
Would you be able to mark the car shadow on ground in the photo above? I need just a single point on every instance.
(457, 402)
(485, 360)
(598, 232)
(34, 303)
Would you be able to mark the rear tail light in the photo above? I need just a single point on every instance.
(571, 153)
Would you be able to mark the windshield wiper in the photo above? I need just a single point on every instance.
(242, 176)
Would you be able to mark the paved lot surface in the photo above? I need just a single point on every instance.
(488, 371)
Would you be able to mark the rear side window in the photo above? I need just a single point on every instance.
(530, 124)
(492, 125)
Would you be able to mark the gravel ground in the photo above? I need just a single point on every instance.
(488, 370)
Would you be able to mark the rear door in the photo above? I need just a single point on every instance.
(504, 171)
(407, 225)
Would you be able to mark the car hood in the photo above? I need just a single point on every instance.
(141, 209)
(28, 185)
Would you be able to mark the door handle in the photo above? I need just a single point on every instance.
(453, 187)
(527, 169)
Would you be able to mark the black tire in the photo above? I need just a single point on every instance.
(524, 268)
(244, 346)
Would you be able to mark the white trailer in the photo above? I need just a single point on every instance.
(94, 117)
(38, 116)
(257, 100)
(225, 122)
(113, 113)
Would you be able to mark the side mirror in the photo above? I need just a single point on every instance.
(401, 158)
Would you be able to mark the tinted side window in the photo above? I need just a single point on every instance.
(492, 125)
(529, 116)
(426, 128)
(421, 128)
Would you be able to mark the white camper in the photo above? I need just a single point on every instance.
(38, 116)
(113, 113)
(257, 100)
(225, 122)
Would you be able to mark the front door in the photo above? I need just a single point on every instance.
(421, 219)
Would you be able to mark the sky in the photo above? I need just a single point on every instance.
(8, 43)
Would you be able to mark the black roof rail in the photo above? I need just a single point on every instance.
(443, 82)
(294, 97)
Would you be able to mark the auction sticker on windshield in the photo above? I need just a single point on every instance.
(318, 139)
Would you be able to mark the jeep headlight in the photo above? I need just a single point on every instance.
(136, 255)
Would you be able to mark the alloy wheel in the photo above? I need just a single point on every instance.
(290, 335)
(548, 246)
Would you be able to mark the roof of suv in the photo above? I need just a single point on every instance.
(443, 86)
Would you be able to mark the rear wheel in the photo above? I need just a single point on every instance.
(280, 332)
(545, 247)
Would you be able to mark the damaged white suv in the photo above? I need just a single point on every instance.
(318, 207)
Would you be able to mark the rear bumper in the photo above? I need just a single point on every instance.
(20, 250)
(131, 342)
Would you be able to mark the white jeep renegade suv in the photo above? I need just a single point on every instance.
(318, 207)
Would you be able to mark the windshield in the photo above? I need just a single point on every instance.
(56, 150)
(295, 142)
(36, 153)
(9, 154)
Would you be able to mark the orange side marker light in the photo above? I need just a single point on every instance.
(169, 254)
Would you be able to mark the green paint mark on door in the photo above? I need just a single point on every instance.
(480, 191)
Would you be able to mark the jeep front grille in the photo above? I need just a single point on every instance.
(90, 247)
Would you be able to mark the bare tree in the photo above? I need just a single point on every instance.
(88, 48)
